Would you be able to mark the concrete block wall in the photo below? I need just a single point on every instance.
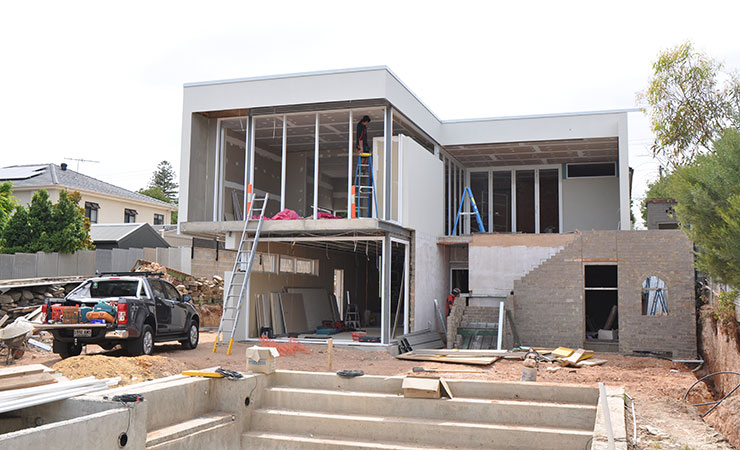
(667, 254)
(205, 264)
(549, 304)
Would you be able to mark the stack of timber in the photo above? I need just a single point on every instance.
(423, 339)
(456, 356)
(26, 386)
(25, 377)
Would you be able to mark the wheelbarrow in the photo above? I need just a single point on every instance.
(13, 342)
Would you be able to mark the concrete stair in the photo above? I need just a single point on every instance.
(369, 412)
(176, 435)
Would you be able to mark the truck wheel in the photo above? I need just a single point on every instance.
(193, 335)
(67, 349)
(144, 344)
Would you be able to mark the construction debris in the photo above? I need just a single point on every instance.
(202, 290)
(291, 347)
(423, 339)
(451, 356)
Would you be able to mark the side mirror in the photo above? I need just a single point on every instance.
(186, 297)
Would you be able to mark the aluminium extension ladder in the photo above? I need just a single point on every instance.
(364, 183)
(237, 290)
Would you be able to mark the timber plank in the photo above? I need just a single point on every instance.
(22, 370)
(26, 381)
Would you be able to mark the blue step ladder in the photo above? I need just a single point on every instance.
(364, 183)
(469, 193)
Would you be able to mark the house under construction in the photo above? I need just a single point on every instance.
(553, 192)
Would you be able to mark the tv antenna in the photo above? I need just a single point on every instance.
(79, 160)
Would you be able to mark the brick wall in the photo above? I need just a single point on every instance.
(549, 306)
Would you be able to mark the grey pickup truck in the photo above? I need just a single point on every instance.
(134, 309)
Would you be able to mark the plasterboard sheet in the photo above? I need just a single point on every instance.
(317, 304)
(295, 312)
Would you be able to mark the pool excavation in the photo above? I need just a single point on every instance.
(321, 410)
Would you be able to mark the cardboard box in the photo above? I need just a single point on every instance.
(609, 335)
(261, 359)
(418, 387)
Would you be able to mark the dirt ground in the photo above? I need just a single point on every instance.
(664, 421)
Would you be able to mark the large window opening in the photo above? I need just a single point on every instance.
(232, 139)
(525, 201)
(601, 296)
(519, 200)
(549, 201)
(501, 201)
(479, 188)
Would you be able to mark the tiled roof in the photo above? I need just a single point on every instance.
(54, 175)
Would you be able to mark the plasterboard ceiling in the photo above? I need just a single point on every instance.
(537, 152)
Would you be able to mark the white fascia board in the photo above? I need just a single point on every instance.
(536, 128)
(281, 91)
(184, 167)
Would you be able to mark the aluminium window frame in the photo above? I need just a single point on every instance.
(513, 170)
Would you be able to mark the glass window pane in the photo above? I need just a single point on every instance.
(479, 187)
(501, 201)
(525, 201)
(549, 201)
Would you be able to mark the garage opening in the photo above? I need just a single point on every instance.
(601, 301)
(314, 289)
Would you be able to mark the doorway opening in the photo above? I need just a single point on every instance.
(601, 295)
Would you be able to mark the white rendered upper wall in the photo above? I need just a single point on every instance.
(379, 83)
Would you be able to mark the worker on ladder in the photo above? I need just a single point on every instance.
(362, 146)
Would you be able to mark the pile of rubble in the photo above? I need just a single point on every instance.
(201, 289)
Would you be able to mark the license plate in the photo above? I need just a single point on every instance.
(82, 332)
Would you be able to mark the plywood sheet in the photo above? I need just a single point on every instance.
(295, 312)
(26, 381)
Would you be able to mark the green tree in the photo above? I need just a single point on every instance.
(70, 229)
(707, 193)
(17, 232)
(7, 203)
(690, 100)
(164, 178)
(40, 221)
(61, 227)
(155, 192)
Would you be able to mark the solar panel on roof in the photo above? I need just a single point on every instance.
(20, 173)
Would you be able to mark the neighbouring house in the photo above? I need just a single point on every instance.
(661, 214)
(126, 235)
(553, 193)
(103, 202)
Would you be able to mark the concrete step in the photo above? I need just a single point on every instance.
(503, 412)
(538, 392)
(414, 431)
(601, 346)
(212, 421)
(275, 441)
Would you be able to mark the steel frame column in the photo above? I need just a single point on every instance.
(284, 163)
(349, 168)
(385, 299)
(387, 164)
(316, 170)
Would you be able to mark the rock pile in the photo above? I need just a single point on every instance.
(21, 297)
(201, 289)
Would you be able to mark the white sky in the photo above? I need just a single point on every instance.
(103, 81)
